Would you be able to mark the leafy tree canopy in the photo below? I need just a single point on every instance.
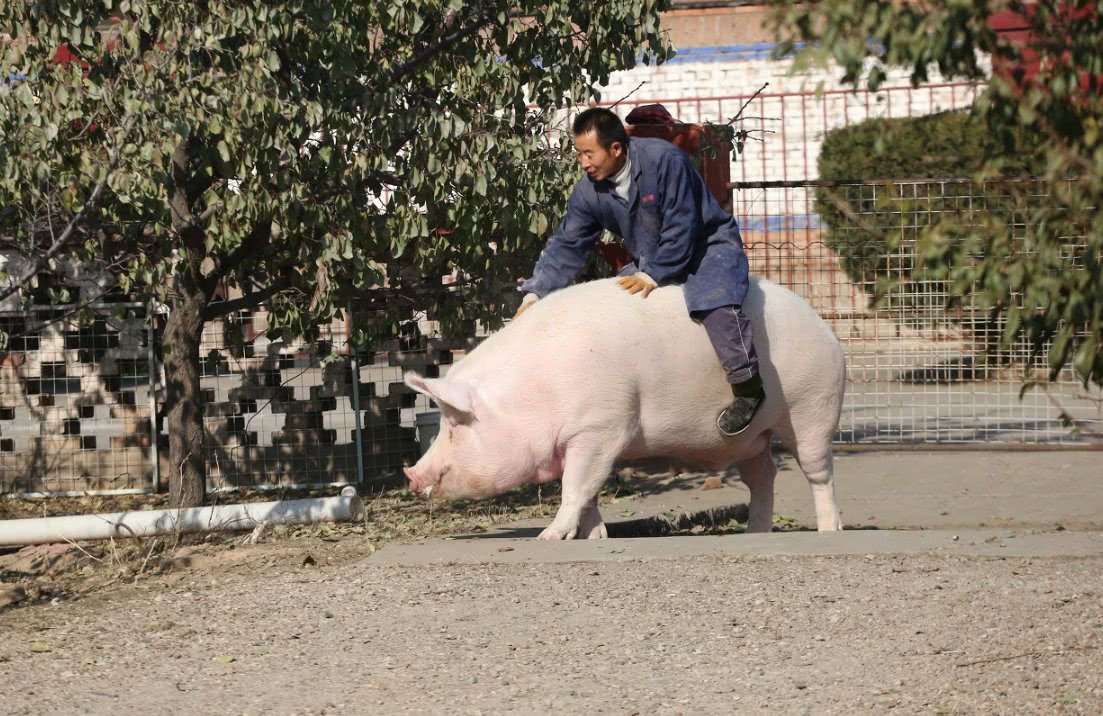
(301, 154)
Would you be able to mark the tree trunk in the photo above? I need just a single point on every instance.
(187, 471)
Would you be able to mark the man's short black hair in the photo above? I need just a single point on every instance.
(604, 124)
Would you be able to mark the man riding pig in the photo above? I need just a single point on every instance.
(648, 192)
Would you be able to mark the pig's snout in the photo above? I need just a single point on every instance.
(421, 483)
(414, 478)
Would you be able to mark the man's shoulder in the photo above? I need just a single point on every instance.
(656, 150)
(654, 145)
(584, 190)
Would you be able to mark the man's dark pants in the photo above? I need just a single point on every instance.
(732, 337)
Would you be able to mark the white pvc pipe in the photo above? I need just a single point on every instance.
(75, 493)
(147, 491)
(246, 516)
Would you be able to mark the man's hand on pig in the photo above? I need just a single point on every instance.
(637, 283)
(530, 299)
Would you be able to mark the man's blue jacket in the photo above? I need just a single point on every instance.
(671, 225)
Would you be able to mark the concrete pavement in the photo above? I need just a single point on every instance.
(969, 502)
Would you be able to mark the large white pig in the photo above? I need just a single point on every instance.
(592, 374)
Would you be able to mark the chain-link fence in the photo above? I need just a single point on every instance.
(918, 373)
(280, 413)
(77, 392)
(75, 400)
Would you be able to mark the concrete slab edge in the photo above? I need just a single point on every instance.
(972, 542)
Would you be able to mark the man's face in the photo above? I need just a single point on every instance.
(598, 162)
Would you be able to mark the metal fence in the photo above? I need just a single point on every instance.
(786, 131)
(918, 373)
(77, 392)
(281, 413)
(75, 400)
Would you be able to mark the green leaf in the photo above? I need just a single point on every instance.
(1058, 352)
(1087, 355)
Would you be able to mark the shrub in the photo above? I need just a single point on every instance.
(872, 224)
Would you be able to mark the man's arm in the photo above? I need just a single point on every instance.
(567, 250)
(681, 212)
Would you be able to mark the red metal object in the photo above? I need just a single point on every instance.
(65, 55)
(1017, 30)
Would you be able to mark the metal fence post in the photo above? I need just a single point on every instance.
(154, 433)
(354, 367)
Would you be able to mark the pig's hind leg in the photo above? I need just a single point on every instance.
(758, 474)
(585, 469)
(812, 449)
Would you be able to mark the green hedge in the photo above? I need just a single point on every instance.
(873, 235)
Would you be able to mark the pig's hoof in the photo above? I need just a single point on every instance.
(551, 534)
(598, 532)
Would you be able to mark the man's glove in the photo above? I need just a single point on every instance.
(637, 283)
(530, 298)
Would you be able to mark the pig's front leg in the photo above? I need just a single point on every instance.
(583, 475)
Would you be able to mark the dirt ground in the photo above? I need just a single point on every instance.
(65, 572)
(330, 619)
(846, 634)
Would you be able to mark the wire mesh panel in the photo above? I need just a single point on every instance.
(917, 372)
(299, 413)
(74, 400)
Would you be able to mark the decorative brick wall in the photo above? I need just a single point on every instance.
(75, 404)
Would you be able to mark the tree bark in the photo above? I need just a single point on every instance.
(187, 471)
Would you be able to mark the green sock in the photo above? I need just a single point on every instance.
(747, 388)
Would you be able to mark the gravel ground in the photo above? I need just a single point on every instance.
(930, 634)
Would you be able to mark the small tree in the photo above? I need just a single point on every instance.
(300, 154)
(1047, 278)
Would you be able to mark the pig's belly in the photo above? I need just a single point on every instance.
(694, 439)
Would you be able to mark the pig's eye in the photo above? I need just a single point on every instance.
(451, 431)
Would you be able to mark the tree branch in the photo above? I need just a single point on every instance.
(429, 52)
(62, 239)
(252, 300)
(474, 25)
(256, 239)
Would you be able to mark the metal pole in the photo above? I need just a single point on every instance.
(354, 366)
(154, 435)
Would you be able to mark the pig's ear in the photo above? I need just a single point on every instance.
(453, 398)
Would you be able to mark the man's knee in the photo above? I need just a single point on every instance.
(732, 336)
